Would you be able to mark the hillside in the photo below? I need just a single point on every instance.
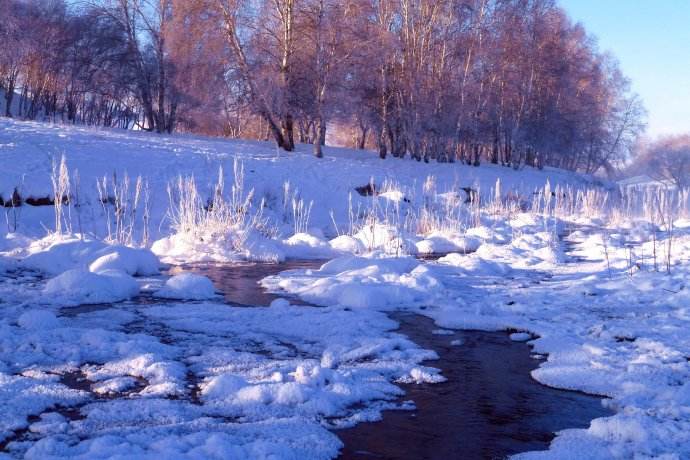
(128, 319)
(28, 150)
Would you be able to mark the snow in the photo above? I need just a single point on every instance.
(306, 246)
(29, 148)
(520, 336)
(443, 243)
(347, 243)
(187, 286)
(77, 286)
(604, 331)
(135, 262)
(160, 377)
(53, 255)
(37, 319)
(361, 282)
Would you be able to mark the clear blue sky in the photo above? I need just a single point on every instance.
(651, 39)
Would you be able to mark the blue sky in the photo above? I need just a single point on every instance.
(651, 39)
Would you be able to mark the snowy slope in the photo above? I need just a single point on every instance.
(163, 368)
(27, 150)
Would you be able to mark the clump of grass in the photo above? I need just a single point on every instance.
(228, 215)
(122, 202)
(61, 193)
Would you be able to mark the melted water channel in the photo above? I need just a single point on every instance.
(490, 407)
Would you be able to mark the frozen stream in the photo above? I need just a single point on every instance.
(490, 407)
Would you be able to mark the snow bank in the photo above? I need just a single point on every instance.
(374, 281)
(227, 248)
(306, 246)
(54, 255)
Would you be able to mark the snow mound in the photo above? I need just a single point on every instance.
(231, 247)
(475, 264)
(55, 255)
(141, 262)
(443, 243)
(347, 243)
(187, 286)
(38, 320)
(306, 246)
(386, 238)
(78, 287)
(375, 281)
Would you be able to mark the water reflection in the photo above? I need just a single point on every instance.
(489, 408)
(239, 283)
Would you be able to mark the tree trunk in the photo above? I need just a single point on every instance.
(274, 129)
(383, 151)
(9, 96)
(288, 133)
(363, 137)
(320, 138)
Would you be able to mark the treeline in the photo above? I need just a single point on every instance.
(511, 82)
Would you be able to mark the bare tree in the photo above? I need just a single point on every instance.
(511, 82)
(668, 159)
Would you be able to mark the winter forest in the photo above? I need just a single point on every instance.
(510, 82)
(344, 229)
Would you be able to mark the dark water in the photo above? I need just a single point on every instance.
(239, 283)
(490, 407)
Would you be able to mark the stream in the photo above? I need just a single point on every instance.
(490, 407)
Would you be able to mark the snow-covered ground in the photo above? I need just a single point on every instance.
(102, 356)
